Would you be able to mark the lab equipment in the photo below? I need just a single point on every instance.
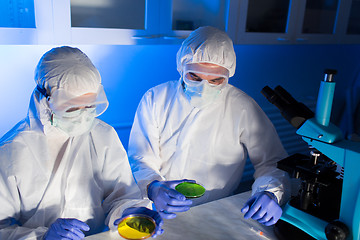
(190, 189)
(139, 223)
(136, 226)
(66, 228)
(166, 199)
(328, 203)
(262, 207)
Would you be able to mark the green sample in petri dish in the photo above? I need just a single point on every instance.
(136, 227)
(190, 189)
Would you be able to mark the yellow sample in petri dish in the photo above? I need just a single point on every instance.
(136, 227)
(190, 189)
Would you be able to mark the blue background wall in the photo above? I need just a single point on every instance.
(128, 71)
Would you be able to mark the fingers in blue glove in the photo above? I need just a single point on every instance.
(67, 228)
(158, 233)
(166, 199)
(171, 201)
(263, 208)
(177, 199)
(167, 215)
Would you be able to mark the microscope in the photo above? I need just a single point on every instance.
(327, 205)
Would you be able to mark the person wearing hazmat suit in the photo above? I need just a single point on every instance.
(64, 173)
(201, 128)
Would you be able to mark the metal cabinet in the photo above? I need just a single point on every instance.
(170, 21)
(116, 21)
(187, 15)
(147, 21)
(295, 21)
(349, 22)
(17, 20)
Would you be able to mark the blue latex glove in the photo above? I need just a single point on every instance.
(145, 211)
(69, 228)
(262, 207)
(166, 199)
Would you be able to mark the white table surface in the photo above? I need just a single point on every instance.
(217, 220)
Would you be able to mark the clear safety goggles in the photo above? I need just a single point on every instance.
(213, 79)
(214, 75)
(209, 69)
(62, 102)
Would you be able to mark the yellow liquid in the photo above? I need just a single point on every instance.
(130, 233)
(135, 228)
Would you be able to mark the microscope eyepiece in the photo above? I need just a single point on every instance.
(329, 75)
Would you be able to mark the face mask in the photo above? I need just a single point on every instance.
(75, 123)
(201, 93)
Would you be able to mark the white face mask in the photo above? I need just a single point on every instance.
(75, 123)
(201, 93)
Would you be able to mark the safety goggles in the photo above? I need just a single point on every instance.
(210, 69)
(61, 102)
(213, 74)
(200, 76)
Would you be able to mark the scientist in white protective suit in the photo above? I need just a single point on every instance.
(64, 174)
(201, 128)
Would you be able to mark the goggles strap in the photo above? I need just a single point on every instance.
(42, 91)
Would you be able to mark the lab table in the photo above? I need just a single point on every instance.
(217, 220)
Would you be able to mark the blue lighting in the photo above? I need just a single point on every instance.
(17, 14)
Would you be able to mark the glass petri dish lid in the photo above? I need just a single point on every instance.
(136, 227)
(190, 189)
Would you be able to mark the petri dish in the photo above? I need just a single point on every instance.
(136, 227)
(190, 189)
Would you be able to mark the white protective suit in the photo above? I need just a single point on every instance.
(45, 174)
(172, 140)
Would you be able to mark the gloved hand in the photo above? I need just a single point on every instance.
(166, 199)
(69, 228)
(143, 210)
(262, 207)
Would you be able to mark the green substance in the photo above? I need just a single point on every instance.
(141, 224)
(190, 190)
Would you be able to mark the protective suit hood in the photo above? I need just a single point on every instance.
(65, 75)
(207, 45)
(69, 69)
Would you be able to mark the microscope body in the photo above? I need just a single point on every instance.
(327, 207)
(347, 154)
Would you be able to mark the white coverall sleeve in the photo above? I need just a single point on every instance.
(144, 148)
(120, 189)
(265, 150)
(10, 203)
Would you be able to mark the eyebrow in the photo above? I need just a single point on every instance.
(194, 75)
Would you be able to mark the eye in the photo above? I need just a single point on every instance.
(72, 109)
(195, 77)
(217, 81)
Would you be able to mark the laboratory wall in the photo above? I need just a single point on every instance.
(128, 71)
